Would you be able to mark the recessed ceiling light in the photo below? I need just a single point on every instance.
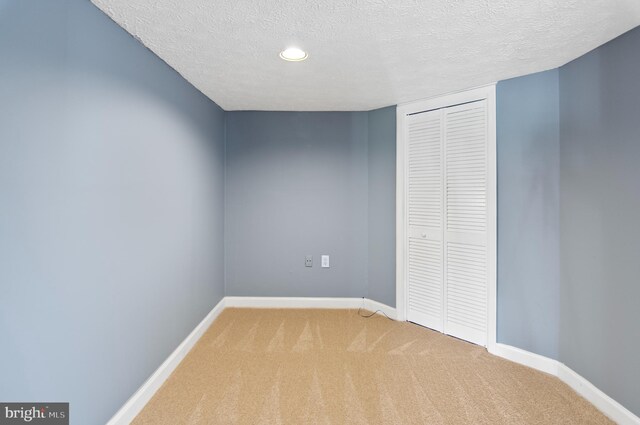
(293, 54)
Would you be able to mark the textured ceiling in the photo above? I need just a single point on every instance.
(363, 54)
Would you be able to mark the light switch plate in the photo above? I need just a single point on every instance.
(325, 261)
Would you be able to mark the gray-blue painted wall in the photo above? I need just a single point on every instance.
(528, 155)
(599, 212)
(311, 183)
(382, 205)
(296, 185)
(111, 213)
(111, 208)
(568, 207)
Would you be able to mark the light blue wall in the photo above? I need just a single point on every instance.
(311, 183)
(528, 149)
(599, 212)
(382, 205)
(111, 215)
(297, 185)
(568, 207)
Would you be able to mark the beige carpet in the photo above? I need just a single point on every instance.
(334, 367)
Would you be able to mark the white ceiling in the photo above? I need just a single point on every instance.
(363, 54)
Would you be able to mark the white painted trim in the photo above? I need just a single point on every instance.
(526, 358)
(372, 305)
(401, 231)
(492, 220)
(292, 302)
(136, 403)
(309, 302)
(611, 408)
(614, 410)
(487, 93)
(451, 99)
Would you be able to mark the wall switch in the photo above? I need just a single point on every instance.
(325, 261)
(308, 261)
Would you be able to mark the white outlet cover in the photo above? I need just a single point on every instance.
(325, 261)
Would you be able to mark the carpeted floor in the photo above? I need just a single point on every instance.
(256, 366)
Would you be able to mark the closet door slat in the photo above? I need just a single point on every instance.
(425, 295)
(465, 217)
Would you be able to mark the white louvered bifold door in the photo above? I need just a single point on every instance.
(425, 267)
(465, 221)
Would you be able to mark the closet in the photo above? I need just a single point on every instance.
(448, 212)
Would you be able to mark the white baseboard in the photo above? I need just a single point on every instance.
(136, 403)
(375, 306)
(614, 410)
(309, 302)
(526, 358)
(292, 302)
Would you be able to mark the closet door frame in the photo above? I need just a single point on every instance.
(487, 93)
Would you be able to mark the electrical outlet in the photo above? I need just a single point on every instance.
(325, 261)
(308, 261)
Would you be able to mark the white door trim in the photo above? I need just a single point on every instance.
(487, 93)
